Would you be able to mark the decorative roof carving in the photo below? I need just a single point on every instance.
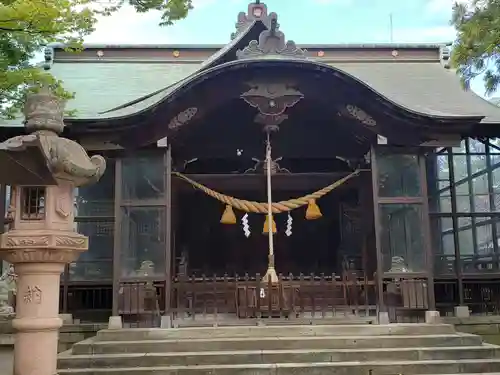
(271, 43)
(360, 115)
(183, 118)
(257, 11)
(271, 99)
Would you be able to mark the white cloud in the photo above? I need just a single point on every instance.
(438, 34)
(431, 34)
(197, 4)
(334, 2)
(439, 6)
(128, 26)
(446, 6)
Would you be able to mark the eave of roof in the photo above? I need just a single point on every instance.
(425, 88)
(142, 99)
(219, 46)
(151, 99)
(393, 90)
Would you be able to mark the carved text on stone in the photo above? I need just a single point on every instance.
(33, 295)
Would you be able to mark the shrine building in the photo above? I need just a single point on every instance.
(384, 178)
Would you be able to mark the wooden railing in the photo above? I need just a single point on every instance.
(407, 299)
(225, 299)
(197, 300)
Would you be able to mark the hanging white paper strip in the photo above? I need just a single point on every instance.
(289, 222)
(246, 226)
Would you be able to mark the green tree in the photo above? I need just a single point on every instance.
(477, 48)
(26, 26)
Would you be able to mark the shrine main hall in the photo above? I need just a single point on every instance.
(384, 175)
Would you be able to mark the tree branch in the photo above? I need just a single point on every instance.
(25, 30)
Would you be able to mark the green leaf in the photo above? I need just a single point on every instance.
(26, 26)
(476, 51)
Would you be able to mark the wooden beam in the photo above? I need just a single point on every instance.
(280, 181)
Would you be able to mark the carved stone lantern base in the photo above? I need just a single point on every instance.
(39, 257)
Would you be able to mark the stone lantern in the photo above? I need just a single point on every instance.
(43, 170)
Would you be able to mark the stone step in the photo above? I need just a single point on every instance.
(91, 346)
(326, 368)
(274, 356)
(274, 331)
(231, 321)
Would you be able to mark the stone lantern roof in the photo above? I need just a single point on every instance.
(42, 157)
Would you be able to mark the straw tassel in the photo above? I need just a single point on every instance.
(228, 217)
(266, 225)
(313, 212)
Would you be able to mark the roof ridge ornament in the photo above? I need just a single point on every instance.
(257, 11)
(271, 43)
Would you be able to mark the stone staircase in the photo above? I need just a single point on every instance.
(278, 350)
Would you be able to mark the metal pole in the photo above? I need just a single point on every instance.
(391, 29)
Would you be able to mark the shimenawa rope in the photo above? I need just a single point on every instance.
(262, 207)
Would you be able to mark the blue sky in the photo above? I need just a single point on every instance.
(304, 21)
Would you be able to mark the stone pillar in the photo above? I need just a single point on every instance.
(383, 317)
(39, 249)
(432, 317)
(37, 321)
(462, 311)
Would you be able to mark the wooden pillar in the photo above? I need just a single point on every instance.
(429, 250)
(470, 188)
(117, 235)
(454, 218)
(366, 205)
(3, 203)
(491, 194)
(168, 230)
(378, 233)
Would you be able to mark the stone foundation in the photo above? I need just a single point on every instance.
(486, 326)
(68, 334)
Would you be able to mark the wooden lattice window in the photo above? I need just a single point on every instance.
(33, 203)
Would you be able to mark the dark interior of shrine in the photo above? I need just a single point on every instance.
(324, 245)
(312, 131)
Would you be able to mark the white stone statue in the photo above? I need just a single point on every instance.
(147, 269)
(398, 265)
(7, 288)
